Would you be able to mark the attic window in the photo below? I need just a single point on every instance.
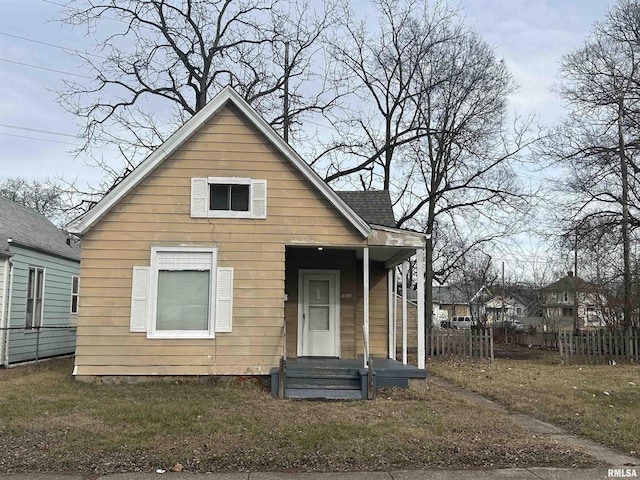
(228, 197)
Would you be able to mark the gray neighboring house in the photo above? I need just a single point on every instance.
(39, 286)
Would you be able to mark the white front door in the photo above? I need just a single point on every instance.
(319, 313)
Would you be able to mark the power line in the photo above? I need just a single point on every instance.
(36, 138)
(64, 49)
(56, 141)
(45, 68)
(38, 131)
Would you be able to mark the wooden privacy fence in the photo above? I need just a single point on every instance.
(541, 340)
(600, 346)
(461, 344)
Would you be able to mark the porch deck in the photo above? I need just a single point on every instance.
(337, 378)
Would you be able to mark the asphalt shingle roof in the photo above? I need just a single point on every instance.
(31, 229)
(448, 295)
(373, 206)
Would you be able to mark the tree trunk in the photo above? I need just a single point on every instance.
(626, 247)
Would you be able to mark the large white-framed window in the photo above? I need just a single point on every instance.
(182, 294)
(75, 294)
(35, 297)
(182, 282)
(228, 197)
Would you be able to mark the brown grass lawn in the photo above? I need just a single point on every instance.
(50, 422)
(601, 402)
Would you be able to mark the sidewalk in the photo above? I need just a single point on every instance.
(433, 474)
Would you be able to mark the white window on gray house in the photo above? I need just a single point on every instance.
(183, 294)
(228, 197)
(75, 291)
(35, 294)
(565, 296)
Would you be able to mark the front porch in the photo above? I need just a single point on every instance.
(341, 313)
(341, 379)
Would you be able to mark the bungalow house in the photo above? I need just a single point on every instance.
(39, 286)
(223, 253)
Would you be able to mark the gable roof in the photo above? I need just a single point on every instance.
(373, 206)
(448, 295)
(569, 283)
(32, 230)
(227, 96)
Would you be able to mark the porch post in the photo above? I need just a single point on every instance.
(420, 257)
(404, 311)
(390, 295)
(395, 311)
(365, 282)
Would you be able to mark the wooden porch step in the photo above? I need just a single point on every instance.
(323, 393)
(319, 381)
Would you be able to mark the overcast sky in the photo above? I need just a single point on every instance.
(36, 134)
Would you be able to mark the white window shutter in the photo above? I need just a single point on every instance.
(258, 199)
(199, 200)
(224, 299)
(139, 299)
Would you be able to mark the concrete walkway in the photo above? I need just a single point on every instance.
(621, 466)
(597, 451)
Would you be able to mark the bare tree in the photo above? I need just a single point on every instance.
(428, 122)
(156, 63)
(597, 144)
(49, 198)
(475, 278)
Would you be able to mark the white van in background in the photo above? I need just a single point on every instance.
(462, 323)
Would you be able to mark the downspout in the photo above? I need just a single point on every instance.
(7, 317)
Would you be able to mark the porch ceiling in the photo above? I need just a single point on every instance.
(390, 256)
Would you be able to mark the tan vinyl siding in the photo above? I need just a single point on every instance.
(378, 313)
(412, 327)
(157, 212)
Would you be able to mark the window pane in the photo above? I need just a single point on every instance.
(183, 300)
(219, 197)
(319, 318)
(319, 292)
(75, 285)
(32, 276)
(240, 198)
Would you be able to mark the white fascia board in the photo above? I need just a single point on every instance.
(411, 236)
(82, 224)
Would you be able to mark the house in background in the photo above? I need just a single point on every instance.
(223, 253)
(558, 303)
(505, 308)
(452, 300)
(39, 286)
